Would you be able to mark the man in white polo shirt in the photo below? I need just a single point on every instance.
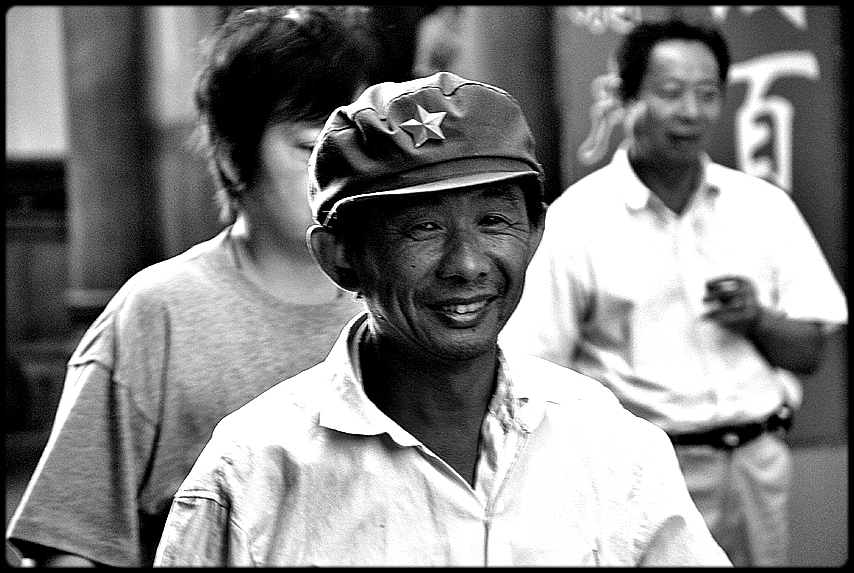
(693, 291)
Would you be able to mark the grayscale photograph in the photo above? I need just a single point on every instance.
(426, 286)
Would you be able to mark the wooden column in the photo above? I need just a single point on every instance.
(111, 213)
(188, 213)
(511, 47)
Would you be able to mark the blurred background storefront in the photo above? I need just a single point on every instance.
(101, 180)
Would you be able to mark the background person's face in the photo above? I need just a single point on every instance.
(281, 182)
(680, 101)
(442, 272)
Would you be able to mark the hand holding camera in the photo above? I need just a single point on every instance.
(734, 303)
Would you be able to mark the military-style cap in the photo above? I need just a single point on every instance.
(430, 134)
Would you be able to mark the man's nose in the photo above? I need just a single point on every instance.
(690, 105)
(465, 256)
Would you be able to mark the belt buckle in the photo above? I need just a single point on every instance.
(783, 417)
(731, 439)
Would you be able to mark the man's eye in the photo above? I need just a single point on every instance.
(495, 221)
(708, 95)
(670, 93)
(422, 230)
(428, 226)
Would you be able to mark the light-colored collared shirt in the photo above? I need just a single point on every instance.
(615, 291)
(313, 473)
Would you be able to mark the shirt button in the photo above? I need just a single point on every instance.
(731, 439)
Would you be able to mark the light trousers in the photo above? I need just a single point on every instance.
(743, 494)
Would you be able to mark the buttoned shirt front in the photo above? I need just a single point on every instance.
(313, 473)
(616, 290)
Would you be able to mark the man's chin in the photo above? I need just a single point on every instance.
(459, 348)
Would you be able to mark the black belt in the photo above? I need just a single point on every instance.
(730, 437)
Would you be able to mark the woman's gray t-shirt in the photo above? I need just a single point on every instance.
(183, 343)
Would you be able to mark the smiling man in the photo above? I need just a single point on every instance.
(695, 292)
(419, 441)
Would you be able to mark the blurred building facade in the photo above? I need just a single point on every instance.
(101, 179)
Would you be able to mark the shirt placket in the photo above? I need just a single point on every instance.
(503, 439)
(697, 264)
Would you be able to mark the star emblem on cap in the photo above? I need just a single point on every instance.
(426, 127)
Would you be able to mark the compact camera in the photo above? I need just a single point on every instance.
(722, 289)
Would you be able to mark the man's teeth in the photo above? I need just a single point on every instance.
(464, 308)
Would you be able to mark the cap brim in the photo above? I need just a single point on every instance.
(446, 184)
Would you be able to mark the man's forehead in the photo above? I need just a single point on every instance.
(687, 57)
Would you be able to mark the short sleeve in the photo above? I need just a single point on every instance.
(546, 323)
(82, 496)
(807, 288)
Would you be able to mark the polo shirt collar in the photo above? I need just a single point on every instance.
(348, 409)
(634, 192)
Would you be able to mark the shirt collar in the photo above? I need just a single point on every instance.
(349, 409)
(635, 193)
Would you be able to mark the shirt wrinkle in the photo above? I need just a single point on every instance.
(121, 385)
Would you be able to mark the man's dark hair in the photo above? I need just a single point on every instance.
(632, 56)
(280, 63)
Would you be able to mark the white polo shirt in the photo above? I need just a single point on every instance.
(313, 473)
(615, 292)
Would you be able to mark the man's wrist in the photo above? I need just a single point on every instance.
(764, 320)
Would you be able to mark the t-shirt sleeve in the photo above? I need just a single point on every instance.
(82, 496)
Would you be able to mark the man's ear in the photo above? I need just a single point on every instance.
(327, 248)
(635, 110)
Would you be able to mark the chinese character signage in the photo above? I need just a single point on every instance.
(786, 109)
